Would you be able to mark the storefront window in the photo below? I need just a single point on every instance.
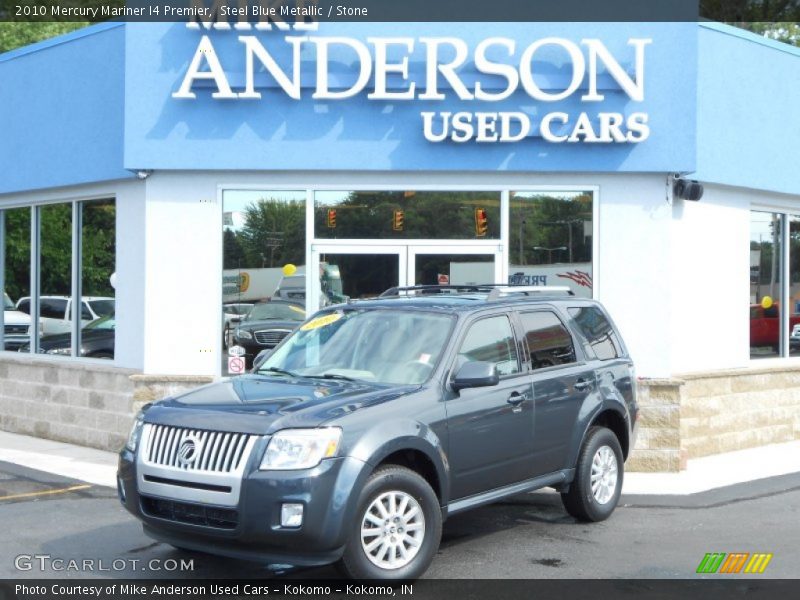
(264, 249)
(550, 239)
(98, 278)
(765, 285)
(43, 320)
(441, 215)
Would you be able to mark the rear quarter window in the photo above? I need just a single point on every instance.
(597, 330)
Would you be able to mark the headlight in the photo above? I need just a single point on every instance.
(301, 448)
(135, 434)
(65, 351)
(243, 334)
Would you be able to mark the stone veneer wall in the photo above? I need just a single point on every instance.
(90, 404)
(681, 418)
(699, 414)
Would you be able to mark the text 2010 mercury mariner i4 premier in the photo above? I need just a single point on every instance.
(377, 419)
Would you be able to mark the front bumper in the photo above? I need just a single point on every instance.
(251, 529)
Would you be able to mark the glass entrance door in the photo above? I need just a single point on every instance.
(353, 271)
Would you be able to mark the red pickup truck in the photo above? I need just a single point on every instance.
(764, 325)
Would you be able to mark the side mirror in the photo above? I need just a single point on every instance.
(236, 319)
(475, 374)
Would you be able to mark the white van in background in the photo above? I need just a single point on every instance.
(55, 311)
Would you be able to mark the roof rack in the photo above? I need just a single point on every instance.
(435, 289)
(494, 290)
(528, 290)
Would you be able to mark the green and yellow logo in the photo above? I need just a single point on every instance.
(733, 563)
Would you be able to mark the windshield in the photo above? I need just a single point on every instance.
(7, 303)
(102, 308)
(380, 346)
(106, 322)
(276, 311)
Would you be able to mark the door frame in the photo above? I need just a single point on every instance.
(469, 247)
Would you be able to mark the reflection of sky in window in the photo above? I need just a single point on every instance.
(235, 203)
(761, 227)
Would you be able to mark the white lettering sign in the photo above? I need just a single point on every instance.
(511, 70)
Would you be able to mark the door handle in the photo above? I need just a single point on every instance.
(583, 384)
(515, 399)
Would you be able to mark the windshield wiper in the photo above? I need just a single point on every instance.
(280, 371)
(333, 376)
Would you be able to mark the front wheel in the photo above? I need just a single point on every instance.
(397, 528)
(595, 492)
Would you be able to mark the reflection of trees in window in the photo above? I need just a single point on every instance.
(18, 252)
(272, 236)
(56, 250)
(98, 247)
(427, 215)
(547, 229)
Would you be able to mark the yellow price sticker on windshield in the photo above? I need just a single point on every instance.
(321, 321)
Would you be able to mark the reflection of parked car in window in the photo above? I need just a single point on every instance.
(266, 325)
(97, 340)
(231, 315)
(765, 326)
(376, 420)
(15, 325)
(55, 312)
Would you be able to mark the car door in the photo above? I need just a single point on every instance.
(562, 381)
(490, 428)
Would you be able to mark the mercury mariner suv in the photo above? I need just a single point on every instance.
(376, 420)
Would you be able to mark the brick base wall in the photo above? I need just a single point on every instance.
(87, 404)
(700, 414)
(681, 418)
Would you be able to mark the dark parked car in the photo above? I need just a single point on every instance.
(376, 420)
(97, 340)
(266, 325)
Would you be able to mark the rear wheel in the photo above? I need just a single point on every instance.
(397, 528)
(595, 492)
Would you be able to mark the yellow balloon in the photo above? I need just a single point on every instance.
(289, 269)
(766, 302)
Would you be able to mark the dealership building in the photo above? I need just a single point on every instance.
(174, 168)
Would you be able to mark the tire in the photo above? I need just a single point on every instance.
(225, 335)
(417, 502)
(600, 447)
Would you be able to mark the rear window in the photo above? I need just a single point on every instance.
(595, 327)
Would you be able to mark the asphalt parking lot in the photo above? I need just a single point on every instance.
(528, 536)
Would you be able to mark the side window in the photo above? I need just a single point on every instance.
(598, 331)
(52, 308)
(549, 342)
(491, 340)
(24, 306)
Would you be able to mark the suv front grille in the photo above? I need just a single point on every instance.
(271, 337)
(192, 514)
(195, 450)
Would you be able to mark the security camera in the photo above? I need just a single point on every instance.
(687, 189)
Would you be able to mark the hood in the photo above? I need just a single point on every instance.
(262, 404)
(15, 317)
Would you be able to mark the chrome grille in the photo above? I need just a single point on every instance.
(218, 452)
(16, 329)
(271, 337)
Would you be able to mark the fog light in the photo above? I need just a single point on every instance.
(291, 515)
(120, 490)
